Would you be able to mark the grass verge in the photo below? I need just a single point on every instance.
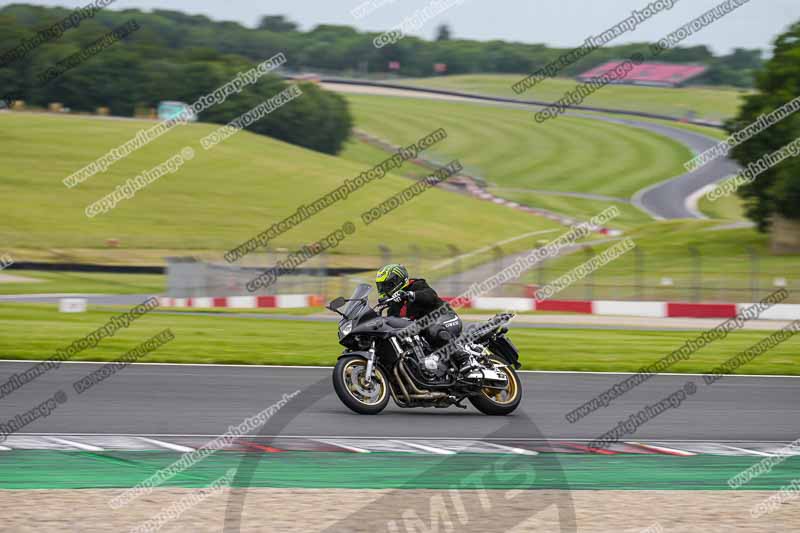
(732, 265)
(83, 282)
(34, 331)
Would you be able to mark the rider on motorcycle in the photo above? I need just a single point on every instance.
(414, 299)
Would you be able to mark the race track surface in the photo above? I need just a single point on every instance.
(668, 199)
(151, 399)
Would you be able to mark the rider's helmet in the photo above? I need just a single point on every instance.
(391, 279)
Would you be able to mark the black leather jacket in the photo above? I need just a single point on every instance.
(425, 301)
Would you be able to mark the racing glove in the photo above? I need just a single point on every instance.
(402, 296)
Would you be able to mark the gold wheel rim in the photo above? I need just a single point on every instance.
(353, 378)
(500, 396)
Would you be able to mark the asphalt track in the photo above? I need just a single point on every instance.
(665, 200)
(152, 399)
(669, 199)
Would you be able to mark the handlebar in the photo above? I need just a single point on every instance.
(381, 305)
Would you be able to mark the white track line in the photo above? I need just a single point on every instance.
(691, 201)
(662, 449)
(330, 368)
(790, 450)
(340, 442)
(168, 445)
(747, 452)
(318, 437)
(424, 448)
(520, 451)
(79, 445)
(343, 446)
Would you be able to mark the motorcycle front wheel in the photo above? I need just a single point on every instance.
(351, 388)
(498, 402)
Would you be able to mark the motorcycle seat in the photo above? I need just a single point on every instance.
(478, 330)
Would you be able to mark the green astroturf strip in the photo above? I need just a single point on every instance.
(47, 469)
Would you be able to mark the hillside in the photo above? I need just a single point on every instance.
(215, 201)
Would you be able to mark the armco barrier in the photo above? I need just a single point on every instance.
(596, 307)
(538, 103)
(245, 302)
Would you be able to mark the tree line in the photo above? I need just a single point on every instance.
(775, 193)
(168, 57)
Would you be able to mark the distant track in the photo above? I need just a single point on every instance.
(663, 201)
(538, 103)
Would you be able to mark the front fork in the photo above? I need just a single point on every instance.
(370, 364)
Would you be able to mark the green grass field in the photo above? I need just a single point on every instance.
(367, 155)
(582, 208)
(711, 103)
(34, 331)
(216, 201)
(507, 148)
(725, 270)
(730, 207)
(84, 282)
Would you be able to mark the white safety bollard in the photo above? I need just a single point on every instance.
(72, 305)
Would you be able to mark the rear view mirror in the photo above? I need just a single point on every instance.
(337, 303)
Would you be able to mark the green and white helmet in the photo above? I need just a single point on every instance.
(391, 279)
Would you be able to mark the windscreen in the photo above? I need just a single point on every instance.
(359, 297)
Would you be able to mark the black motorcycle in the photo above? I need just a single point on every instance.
(384, 356)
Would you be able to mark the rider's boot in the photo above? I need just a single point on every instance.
(467, 365)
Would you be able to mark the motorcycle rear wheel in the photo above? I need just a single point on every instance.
(495, 402)
(354, 392)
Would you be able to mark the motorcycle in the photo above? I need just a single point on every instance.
(385, 357)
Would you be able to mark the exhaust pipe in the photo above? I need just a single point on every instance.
(418, 394)
(400, 382)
